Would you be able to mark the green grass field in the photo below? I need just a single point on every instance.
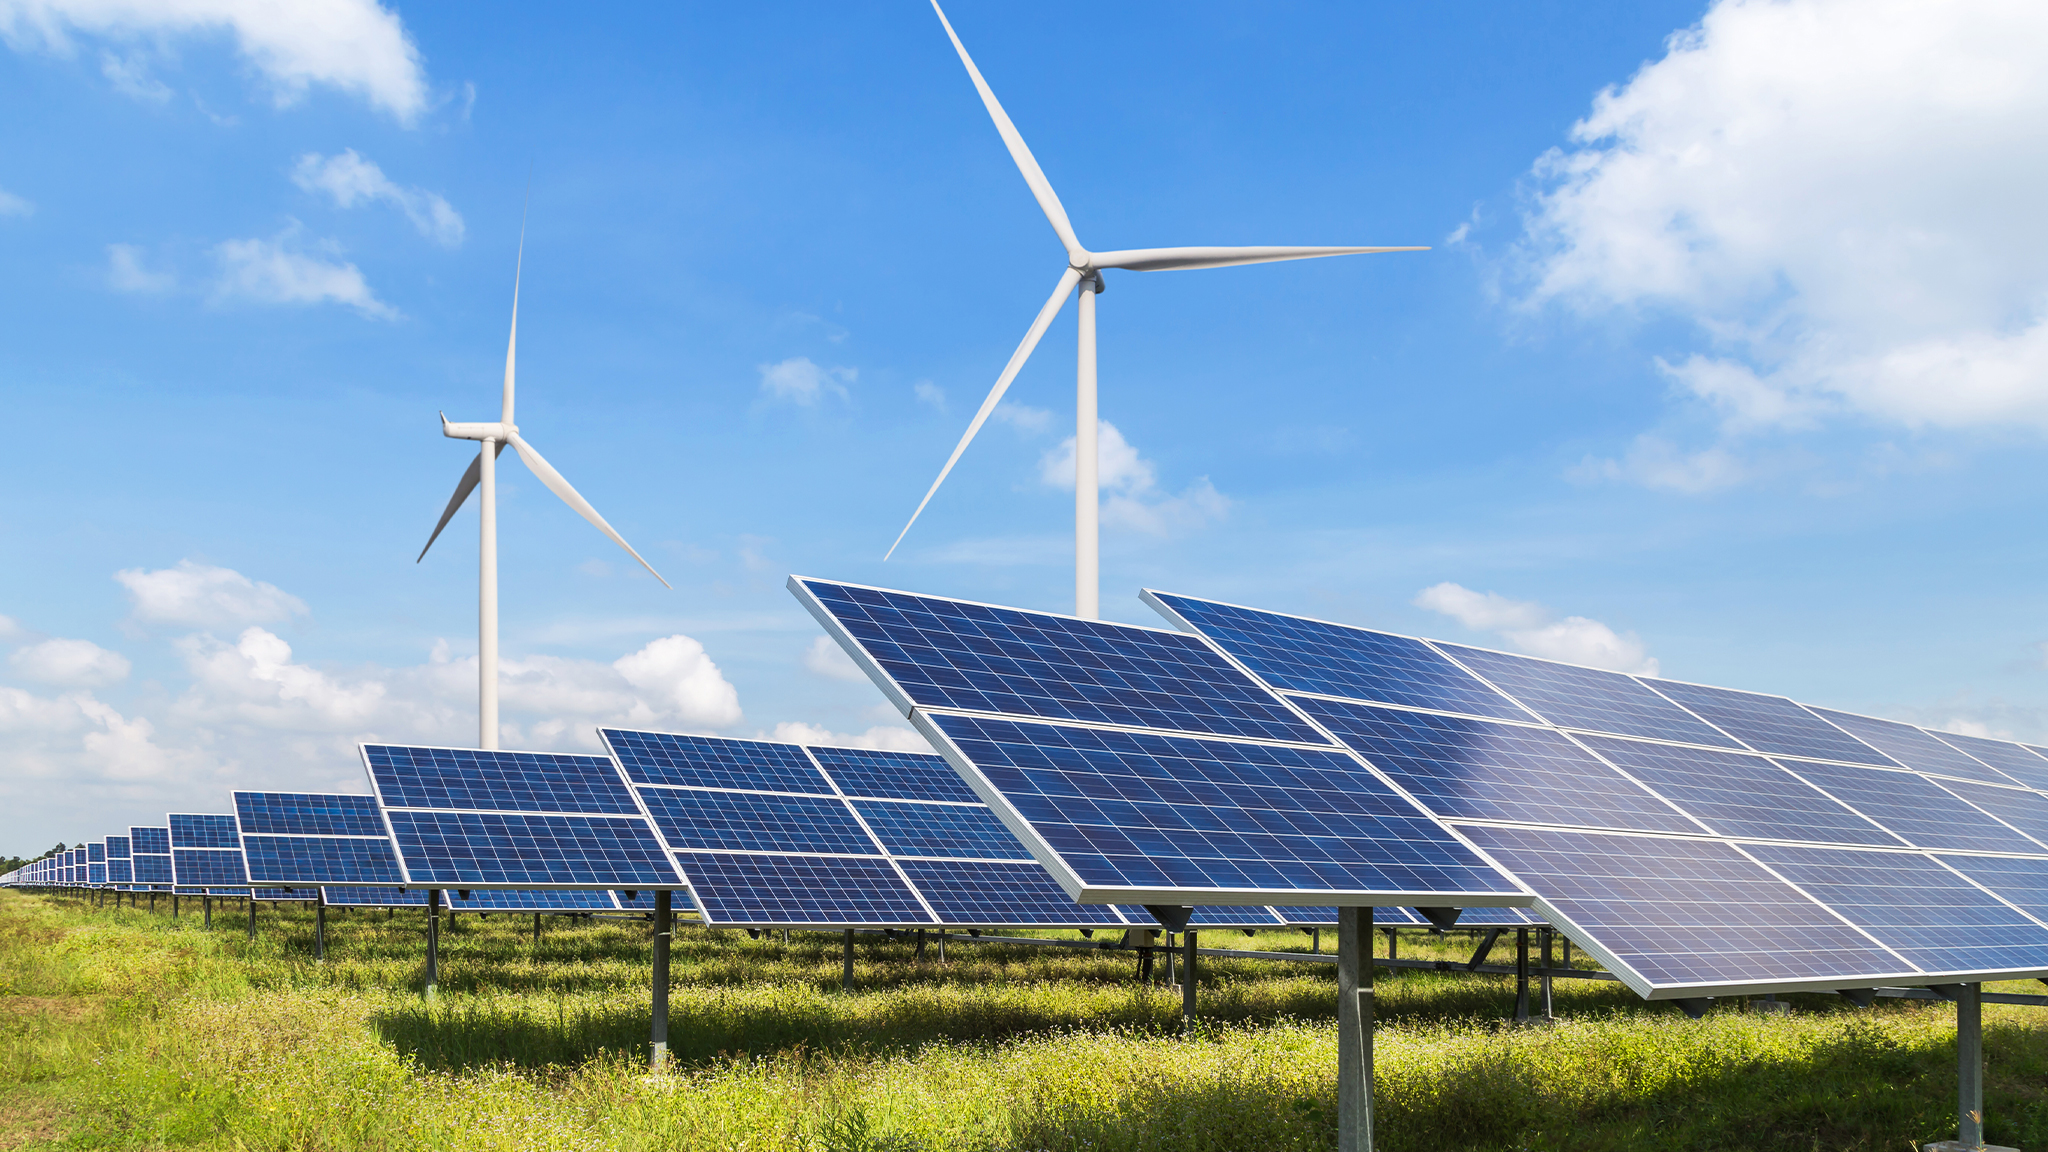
(126, 1029)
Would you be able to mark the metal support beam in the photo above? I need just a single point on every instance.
(1521, 975)
(536, 929)
(1970, 1066)
(1548, 935)
(433, 941)
(252, 919)
(1485, 946)
(1187, 978)
(919, 957)
(1354, 1030)
(320, 925)
(1393, 944)
(846, 976)
(664, 932)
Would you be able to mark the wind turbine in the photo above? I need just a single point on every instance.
(483, 473)
(1084, 269)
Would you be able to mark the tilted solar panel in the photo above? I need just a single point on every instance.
(484, 900)
(1587, 699)
(117, 847)
(1920, 811)
(206, 852)
(469, 818)
(1912, 747)
(96, 852)
(96, 873)
(312, 838)
(1738, 794)
(120, 871)
(1770, 723)
(2015, 760)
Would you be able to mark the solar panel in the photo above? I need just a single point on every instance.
(2018, 881)
(1482, 769)
(311, 838)
(1587, 699)
(1770, 723)
(469, 818)
(1737, 794)
(96, 852)
(1297, 654)
(710, 762)
(96, 873)
(1912, 905)
(120, 871)
(1914, 807)
(117, 847)
(1144, 803)
(1912, 747)
(206, 851)
(481, 900)
(2015, 760)
(2023, 809)
(937, 653)
(156, 841)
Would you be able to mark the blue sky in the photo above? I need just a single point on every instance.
(1727, 355)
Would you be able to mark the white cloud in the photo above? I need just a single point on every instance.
(1530, 627)
(1023, 417)
(1656, 462)
(204, 596)
(831, 661)
(348, 180)
(356, 46)
(267, 272)
(130, 77)
(1839, 194)
(70, 663)
(125, 272)
(930, 393)
(76, 738)
(12, 205)
(801, 382)
(1129, 484)
(675, 678)
(883, 737)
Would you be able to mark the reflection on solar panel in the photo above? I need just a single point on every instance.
(1913, 748)
(206, 852)
(2020, 882)
(2015, 760)
(466, 818)
(1588, 699)
(1489, 771)
(2024, 810)
(294, 838)
(1736, 794)
(1770, 723)
(1914, 807)
(1296, 654)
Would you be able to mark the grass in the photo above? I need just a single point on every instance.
(123, 1029)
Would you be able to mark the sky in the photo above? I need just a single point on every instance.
(1728, 359)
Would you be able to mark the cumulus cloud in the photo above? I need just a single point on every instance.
(929, 393)
(1129, 484)
(1530, 627)
(882, 737)
(198, 595)
(125, 272)
(269, 272)
(356, 46)
(70, 663)
(349, 180)
(1655, 462)
(1838, 194)
(1023, 417)
(78, 738)
(831, 661)
(12, 205)
(798, 381)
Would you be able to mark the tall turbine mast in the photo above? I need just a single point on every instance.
(483, 474)
(1084, 270)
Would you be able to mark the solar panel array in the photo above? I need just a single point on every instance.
(206, 854)
(1138, 765)
(1695, 839)
(306, 839)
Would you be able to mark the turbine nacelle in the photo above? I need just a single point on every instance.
(497, 430)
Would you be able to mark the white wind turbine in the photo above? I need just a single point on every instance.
(483, 473)
(1085, 268)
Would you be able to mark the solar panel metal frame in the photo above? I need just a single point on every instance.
(1642, 985)
(392, 896)
(1051, 859)
(385, 810)
(312, 880)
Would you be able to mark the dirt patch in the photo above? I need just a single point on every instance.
(26, 1121)
(63, 1008)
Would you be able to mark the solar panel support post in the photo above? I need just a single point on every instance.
(320, 924)
(919, 956)
(664, 931)
(846, 975)
(1970, 1065)
(207, 901)
(1187, 978)
(433, 941)
(1548, 936)
(1354, 1029)
(252, 917)
(536, 929)
(1521, 975)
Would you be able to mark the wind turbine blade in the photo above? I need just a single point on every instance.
(463, 488)
(560, 487)
(512, 343)
(1041, 188)
(1068, 279)
(1182, 259)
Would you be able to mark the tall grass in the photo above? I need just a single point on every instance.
(143, 1032)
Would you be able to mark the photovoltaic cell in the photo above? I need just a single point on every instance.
(1771, 723)
(203, 831)
(1914, 808)
(156, 841)
(511, 849)
(1737, 794)
(941, 830)
(742, 889)
(1587, 698)
(710, 762)
(2023, 809)
(953, 654)
(490, 781)
(1924, 912)
(1301, 655)
(315, 860)
(699, 819)
(308, 814)
(1129, 811)
(1684, 912)
(894, 775)
(2015, 760)
(1479, 769)
(1912, 747)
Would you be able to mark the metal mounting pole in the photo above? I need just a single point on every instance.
(663, 932)
(1521, 975)
(920, 945)
(1354, 1030)
(1548, 936)
(252, 918)
(1187, 979)
(207, 900)
(1970, 1065)
(846, 976)
(320, 924)
(942, 945)
(433, 941)
(1172, 973)
(536, 929)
